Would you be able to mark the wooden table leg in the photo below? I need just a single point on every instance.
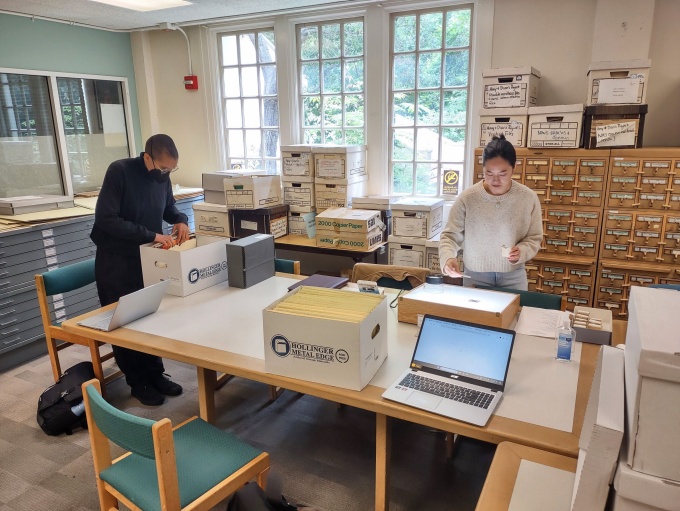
(207, 381)
(383, 433)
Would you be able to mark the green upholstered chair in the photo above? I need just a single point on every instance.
(63, 280)
(287, 266)
(533, 298)
(193, 466)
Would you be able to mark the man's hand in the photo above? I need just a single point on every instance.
(514, 255)
(181, 232)
(451, 268)
(165, 239)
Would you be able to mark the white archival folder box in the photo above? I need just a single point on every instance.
(653, 382)
(330, 351)
(602, 432)
(636, 491)
(541, 488)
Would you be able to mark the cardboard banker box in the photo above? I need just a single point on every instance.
(341, 340)
(653, 382)
(252, 192)
(190, 269)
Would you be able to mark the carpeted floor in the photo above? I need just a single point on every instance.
(324, 455)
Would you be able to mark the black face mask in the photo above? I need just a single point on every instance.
(159, 176)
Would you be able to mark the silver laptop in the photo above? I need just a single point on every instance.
(458, 370)
(129, 308)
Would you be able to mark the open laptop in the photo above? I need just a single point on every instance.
(129, 308)
(458, 370)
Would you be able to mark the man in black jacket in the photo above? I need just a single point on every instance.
(135, 198)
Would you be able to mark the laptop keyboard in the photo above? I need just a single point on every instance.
(447, 390)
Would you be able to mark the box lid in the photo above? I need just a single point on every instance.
(266, 211)
(417, 203)
(36, 200)
(337, 149)
(214, 180)
(297, 148)
(616, 109)
(503, 112)
(208, 206)
(654, 324)
(511, 71)
(646, 489)
(623, 65)
(404, 240)
(380, 200)
(555, 109)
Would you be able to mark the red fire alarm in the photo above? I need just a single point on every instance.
(191, 82)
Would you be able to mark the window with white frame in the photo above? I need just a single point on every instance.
(249, 100)
(430, 69)
(330, 59)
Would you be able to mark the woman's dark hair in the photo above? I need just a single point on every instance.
(160, 144)
(499, 147)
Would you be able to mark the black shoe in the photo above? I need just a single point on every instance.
(164, 385)
(147, 395)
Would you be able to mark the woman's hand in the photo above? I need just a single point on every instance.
(452, 269)
(514, 255)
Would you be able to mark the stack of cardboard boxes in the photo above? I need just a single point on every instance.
(416, 225)
(297, 173)
(349, 229)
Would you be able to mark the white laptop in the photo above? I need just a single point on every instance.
(129, 308)
(458, 370)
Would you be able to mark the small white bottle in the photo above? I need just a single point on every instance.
(565, 337)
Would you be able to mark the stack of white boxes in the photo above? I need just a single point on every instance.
(297, 175)
(339, 175)
(382, 203)
(508, 94)
(415, 222)
(648, 474)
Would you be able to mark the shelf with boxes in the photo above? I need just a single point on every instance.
(416, 226)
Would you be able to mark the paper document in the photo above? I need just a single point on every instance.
(539, 322)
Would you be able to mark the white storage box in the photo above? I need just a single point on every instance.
(510, 87)
(299, 196)
(636, 491)
(345, 163)
(252, 192)
(211, 219)
(510, 122)
(297, 163)
(213, 183)
(403, 251)
(376, 202)
(297, 223)
(336, 352)
(618, 82)
(417, 217)
(653, 382)
(337, 194)
(349, 220)
(190, 270)
(432, 254)
(359, 241)
(555, 126)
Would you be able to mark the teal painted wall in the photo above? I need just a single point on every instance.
(39, 45)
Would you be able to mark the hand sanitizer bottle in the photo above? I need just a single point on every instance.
(565, 337)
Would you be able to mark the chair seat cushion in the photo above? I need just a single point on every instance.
(205, 456)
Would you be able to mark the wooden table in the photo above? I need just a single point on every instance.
(301, 243)
(160, 335)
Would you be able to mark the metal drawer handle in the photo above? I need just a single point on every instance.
(4, 273)
(8, 323)
(9, 331)
(8, 312)
(7, 343)
(8, 302)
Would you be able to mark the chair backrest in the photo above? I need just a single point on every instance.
(68, 278)
(532, 298)
(676, 287)
(128, 431)
(287, 266)
(387, 275)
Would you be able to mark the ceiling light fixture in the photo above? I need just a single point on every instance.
(144, 5)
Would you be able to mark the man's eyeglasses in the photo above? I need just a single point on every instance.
(164, 170)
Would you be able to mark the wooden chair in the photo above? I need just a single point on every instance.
(63, 280)
(192, 466)
(534, 299)
(287, 266)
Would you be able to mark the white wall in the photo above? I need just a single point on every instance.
(557, 37)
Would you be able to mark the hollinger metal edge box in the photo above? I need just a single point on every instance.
(190, 270)
(329, 351)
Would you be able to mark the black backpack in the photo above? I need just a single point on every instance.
(54, 405)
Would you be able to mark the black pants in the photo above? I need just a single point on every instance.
(119, 275)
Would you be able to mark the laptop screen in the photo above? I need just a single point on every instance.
(464, 349)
